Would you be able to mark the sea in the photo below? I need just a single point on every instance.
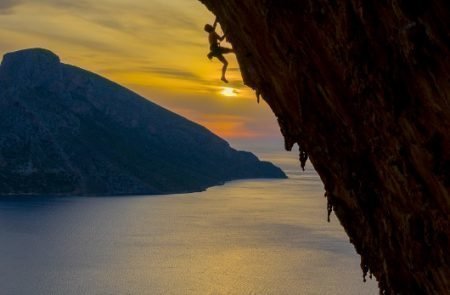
(245, 237)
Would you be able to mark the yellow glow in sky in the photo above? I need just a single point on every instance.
(155, 47)
(227, 91)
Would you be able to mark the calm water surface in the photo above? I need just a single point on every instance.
(246, 237)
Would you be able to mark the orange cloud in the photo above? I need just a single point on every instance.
(227, 126)
(229, 129)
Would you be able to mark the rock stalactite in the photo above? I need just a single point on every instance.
(363, 88)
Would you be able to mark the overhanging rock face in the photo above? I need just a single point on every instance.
(363, 88)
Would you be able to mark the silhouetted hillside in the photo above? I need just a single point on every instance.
(64, 130)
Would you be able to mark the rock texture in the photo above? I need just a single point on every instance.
(64, 130)
(363, 88)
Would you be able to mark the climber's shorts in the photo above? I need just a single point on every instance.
(217, 51)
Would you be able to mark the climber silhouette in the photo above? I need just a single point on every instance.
(217, 50)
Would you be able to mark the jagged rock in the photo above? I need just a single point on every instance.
(363, 87)
(64, 130)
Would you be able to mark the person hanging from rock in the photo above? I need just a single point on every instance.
(217, 51)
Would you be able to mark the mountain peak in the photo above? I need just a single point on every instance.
(33, 67)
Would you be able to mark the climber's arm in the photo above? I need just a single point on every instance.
(215, 26)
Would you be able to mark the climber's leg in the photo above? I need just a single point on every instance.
(224, 68)
(225, 50)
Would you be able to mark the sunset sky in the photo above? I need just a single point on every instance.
(155, 47)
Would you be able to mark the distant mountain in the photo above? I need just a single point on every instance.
(64, 130)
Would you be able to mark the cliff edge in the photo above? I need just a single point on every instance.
(363, 88)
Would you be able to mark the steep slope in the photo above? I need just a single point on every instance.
(363, 88)
(64, 130)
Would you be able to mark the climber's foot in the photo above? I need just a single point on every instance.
(224, 80)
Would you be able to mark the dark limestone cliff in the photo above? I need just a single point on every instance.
(363, 88)
(64, 130)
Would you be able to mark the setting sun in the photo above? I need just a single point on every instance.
(227, 91)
